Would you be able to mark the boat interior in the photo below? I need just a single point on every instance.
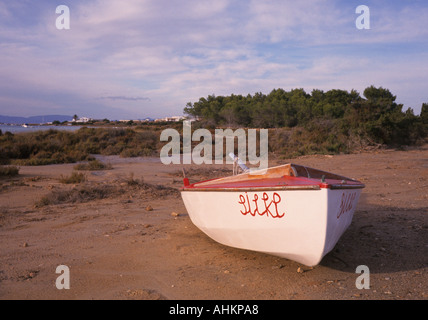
(287, 174)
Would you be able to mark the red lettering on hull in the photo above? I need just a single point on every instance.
(346, 203)
(261, 206)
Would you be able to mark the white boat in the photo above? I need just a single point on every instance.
(290, 211)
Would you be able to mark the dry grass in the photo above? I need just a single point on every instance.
(93, 165)
(204, 173)
(8, 171)
(89, 192)
(151, 190)
(80, 194)
(75, 177)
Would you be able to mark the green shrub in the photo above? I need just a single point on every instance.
(52, 146)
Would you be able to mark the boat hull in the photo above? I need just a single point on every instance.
(300, 225)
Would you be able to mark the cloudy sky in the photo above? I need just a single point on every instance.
(147, 58)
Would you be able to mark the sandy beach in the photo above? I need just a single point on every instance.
(139, 242)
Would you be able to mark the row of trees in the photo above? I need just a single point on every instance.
(376, 117)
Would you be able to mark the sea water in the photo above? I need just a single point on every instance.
(18, 128)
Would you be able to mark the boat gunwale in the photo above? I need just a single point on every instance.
(312, 183)
(274, 188)
(243, 189)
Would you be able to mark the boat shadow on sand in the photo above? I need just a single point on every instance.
(385, 239)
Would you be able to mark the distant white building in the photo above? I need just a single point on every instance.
(82, 120)
(171, 119)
